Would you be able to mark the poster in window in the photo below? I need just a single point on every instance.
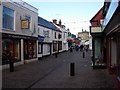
(25, 24)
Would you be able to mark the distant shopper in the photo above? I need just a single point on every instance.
(81, 47)
(71, 48)
(76, 47)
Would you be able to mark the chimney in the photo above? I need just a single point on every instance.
(55, 21)
(60, 23)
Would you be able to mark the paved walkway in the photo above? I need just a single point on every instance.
(51, 72)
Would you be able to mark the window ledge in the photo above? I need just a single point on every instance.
(4, 29)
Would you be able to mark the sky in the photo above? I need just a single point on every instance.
(74, 14)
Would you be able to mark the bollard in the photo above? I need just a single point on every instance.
(71, 50)
(11, 66)
(72, 71)
(83, 54)
(56, 55)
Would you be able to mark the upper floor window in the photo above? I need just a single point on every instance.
(27, 17)
(8, 18)
(55, 35)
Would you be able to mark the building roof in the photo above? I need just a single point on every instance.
(96, 14)
(83, 32)
(47, 24)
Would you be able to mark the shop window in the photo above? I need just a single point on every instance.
(60, 45)
(48, 48)
(10, 49)
(27, 17)
(119, 56)
(54, 46)
(97, 49)
(30, 50)
(8, 18)
(55, 35)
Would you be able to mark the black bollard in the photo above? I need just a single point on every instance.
(83, 54)
(56, 55)
(71, 50)
(11, 66)
(72, 71)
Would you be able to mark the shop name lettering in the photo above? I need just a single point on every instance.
(46, 34)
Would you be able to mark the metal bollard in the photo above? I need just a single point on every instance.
(11, 66)
(83, 54)
(56, 55)
(72, 71)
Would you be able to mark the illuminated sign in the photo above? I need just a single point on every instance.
(25, 24)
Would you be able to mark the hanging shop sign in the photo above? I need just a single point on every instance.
(25, 24)
(94, 29)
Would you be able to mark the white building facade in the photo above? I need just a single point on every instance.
(44, 37)
(19, 31)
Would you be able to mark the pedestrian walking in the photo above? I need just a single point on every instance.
(81, 47)
(71, 49)
(76, 47)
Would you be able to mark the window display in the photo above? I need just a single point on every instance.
(11, 49)
(30, 49)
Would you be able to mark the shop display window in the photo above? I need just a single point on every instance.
(10, 49)
(119, 56)
(30, 49)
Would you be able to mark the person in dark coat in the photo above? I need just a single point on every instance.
(71, 48)
(81, 47)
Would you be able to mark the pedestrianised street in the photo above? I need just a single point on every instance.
(54, 72)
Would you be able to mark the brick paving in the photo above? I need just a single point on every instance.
(52, 72)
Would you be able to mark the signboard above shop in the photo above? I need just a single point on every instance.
(95, 29)
(25, 24)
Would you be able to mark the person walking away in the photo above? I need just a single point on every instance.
(71, 49)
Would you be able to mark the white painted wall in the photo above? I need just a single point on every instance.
(47, 33)
(20, 13)
(46, 49)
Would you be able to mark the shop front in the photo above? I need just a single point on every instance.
(46, 49)
(18, 47)
(118, 56)
(113, 54)
(11, 48)
(99, 47)
(30, 49)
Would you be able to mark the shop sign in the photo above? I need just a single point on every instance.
(17, 36)
(94, 29)
(46, 33)
(25, 24)
(40, 38)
